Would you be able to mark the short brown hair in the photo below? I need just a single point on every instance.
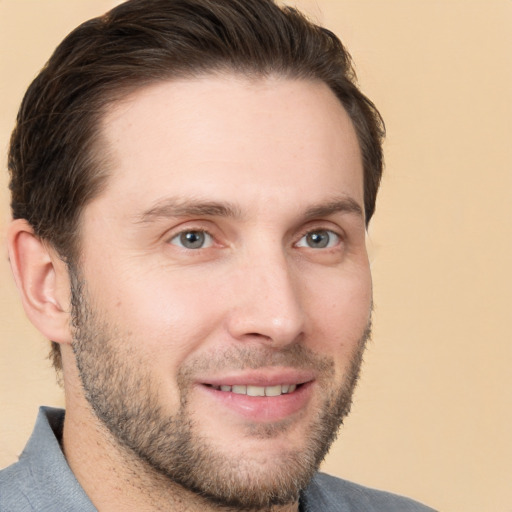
(55, 170)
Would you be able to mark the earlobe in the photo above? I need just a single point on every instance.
(42, 280)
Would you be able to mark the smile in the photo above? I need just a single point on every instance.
(278, 390)
(260, 402)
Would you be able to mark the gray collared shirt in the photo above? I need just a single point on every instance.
(42, 481)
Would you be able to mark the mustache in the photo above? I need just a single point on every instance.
(250, 357)
(239, 358)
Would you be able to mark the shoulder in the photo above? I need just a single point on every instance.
(24, 483)
(328, 493)
(41, 480)
(12, 494)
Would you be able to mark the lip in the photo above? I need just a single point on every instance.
(266, 377)
(260, 409)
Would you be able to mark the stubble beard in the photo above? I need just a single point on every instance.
(122, 394)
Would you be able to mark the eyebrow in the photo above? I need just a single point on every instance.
(175, 207)
(344, 204)
(179, 207)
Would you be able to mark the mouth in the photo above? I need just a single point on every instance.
(250, 390)
(260, 401)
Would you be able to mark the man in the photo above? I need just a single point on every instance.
(191, 184)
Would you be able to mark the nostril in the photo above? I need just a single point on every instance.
(263, 324)
(259, 335)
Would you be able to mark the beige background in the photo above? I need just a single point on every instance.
(432, 417)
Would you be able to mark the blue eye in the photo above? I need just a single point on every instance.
(193, 239)
(321, 239)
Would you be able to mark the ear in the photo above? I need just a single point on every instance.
(43, 281)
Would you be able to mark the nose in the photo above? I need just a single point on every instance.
(267, 302)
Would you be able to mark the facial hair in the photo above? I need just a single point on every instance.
(124, 397)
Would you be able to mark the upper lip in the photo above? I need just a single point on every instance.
(260, 377)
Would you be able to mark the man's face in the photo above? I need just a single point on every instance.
(224, 294)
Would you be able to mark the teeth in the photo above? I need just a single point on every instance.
(280, 389)
(273, 390)
(255, 391)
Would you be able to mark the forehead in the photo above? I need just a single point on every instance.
(229, 135)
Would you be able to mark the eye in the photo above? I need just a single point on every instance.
(192, 239)
(319, 239)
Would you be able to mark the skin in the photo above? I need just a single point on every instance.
(259, 166)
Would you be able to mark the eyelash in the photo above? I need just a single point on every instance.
(332, 233)
(202, 232)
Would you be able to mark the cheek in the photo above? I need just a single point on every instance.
(341, 312)
(164, 317)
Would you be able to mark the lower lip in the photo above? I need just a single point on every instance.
(263, 408)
